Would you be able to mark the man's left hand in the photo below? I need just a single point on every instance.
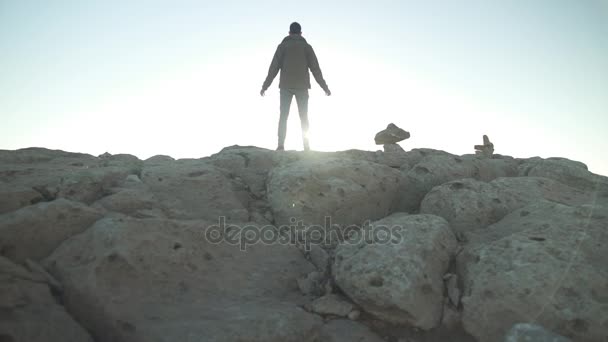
(262, 92)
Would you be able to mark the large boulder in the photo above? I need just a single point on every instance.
(565, 171)
(35, 231)
(343, 330)
(346, 190)
(58, 174)
(13, 197)
(543, 263)
(431, 171)
(400, 279)
(195, 189)
(30, 313)
(132, 279)
(468, 204)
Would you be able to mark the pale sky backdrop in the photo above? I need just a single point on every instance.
(183, 77)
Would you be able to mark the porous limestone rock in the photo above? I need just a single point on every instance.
(468, 204)
(400, 281)
(13, 197)
(29, 310)
(132, 279)
(35, 231)
(347, 191)
(195, 189)
(542, 263)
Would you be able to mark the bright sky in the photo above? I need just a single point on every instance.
(183, 77)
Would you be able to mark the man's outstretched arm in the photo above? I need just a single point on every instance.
(313, 65)
(273, 70)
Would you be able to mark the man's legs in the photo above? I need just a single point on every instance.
(285, 102)
(302, 101)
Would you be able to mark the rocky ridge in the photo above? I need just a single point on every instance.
(256, 245)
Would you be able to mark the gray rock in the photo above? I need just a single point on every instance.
(541, 263)
(354, 315)
(393, 148)
(160, 280)
(332, 304)
(526, 332)
(400, 282)
(58, 174)
(565, 171)
(348, 191)
(468, 204)
(310, 285)
(29, 311)
(343, 330)
(453, 290)
(251, 164)
(132, 202)
(195, 189)
(319, 258)
(35, 231)
(13, 197)
(391, 135)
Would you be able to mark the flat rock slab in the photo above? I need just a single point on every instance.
(160, 280)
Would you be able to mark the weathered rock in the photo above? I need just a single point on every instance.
(393, 148)
(541, 263)
(400, 281)
(332, 304)
(13, 197)
(433, 170)
(452, 289)
(319, 258)
(58, 174)
(35, 231)
(468, 204)
(251, 164)
(391, 135)
(348, 191)
(195, 189)
(451, 318)
(354, 315)
(565, 171)
(29, 311)
(526, 332)
(486, 149)
(343, 330)
(138, 202)
(161, 280)
(310, 284)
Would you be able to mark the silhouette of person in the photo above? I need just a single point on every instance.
(294, 57)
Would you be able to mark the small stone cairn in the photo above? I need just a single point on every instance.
(390, 136)
(486, 150)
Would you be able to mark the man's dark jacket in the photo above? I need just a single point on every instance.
(294, 56)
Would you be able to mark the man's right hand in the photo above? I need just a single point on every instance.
(262, 92)
(327, 92)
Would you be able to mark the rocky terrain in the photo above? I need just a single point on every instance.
(256, 245)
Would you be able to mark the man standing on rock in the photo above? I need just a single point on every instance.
(294, 56)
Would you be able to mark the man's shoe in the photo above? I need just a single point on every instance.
(280, 148)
